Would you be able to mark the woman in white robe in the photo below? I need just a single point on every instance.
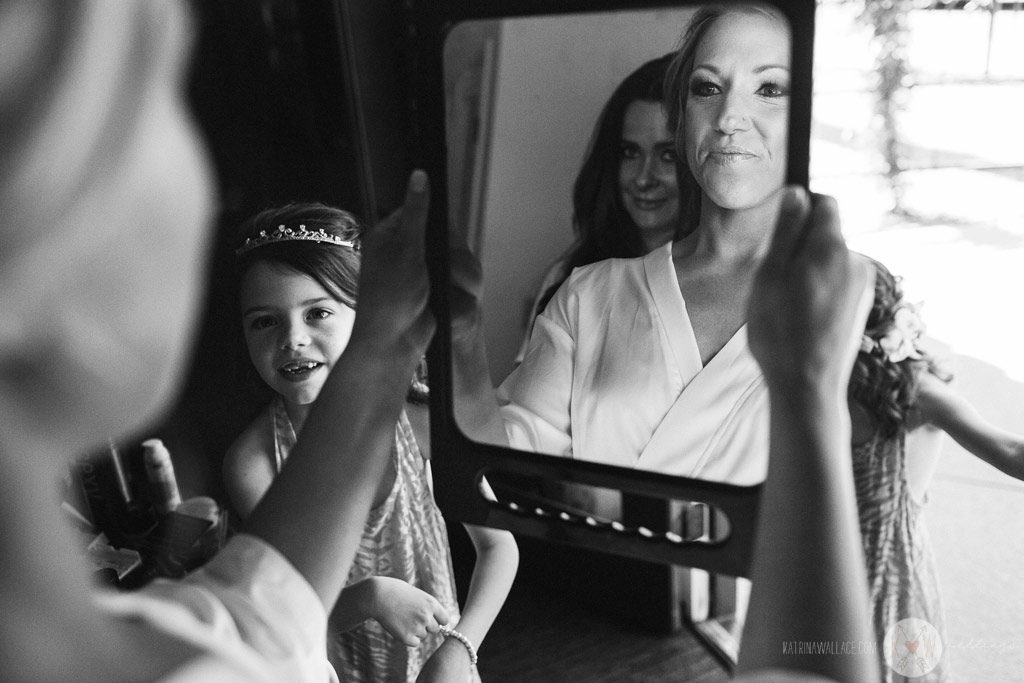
(644, 362)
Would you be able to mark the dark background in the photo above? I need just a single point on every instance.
(282, 91)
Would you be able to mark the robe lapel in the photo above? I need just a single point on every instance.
(704, 411)
(661, 279)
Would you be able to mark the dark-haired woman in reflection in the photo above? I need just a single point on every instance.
(626, 196)
(644, 362)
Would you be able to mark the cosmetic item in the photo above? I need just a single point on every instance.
(105, 489)
(160, 472)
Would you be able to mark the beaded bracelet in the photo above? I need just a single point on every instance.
(449, 632)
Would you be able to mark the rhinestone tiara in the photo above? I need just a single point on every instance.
(285, 234)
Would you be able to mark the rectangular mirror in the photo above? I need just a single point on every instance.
(522, 109)
(521, 94)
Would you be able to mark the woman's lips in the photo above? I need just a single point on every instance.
(647, 204)
(731, 155)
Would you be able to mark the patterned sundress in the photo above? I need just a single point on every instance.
(404, 538)
(902, 580)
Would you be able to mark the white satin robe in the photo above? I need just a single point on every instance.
(612, 373)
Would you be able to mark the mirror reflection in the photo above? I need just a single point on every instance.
(640, 362)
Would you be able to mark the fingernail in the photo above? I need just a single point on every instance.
(418, 181)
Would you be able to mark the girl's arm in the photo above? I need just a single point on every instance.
(497, 559)
(405, 611)
(940, 405)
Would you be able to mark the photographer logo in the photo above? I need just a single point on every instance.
(912, 647)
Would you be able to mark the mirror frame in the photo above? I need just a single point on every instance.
(458, 462)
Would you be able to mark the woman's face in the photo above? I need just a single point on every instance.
(736, 111)
(648, 185)
(295, 330)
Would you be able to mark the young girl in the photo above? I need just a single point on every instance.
(298, 269)
(901, 403)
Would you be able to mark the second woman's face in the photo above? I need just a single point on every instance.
(737, 110)
(295, 330)
(648, 185)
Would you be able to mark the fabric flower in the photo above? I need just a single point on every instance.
(900, 342)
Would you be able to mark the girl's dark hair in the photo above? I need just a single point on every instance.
(887, 390)
(333, 267)
(604, 229)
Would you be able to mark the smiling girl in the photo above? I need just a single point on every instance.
(298, 269)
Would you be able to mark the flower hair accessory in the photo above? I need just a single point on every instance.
(900, 340)
(285, 234)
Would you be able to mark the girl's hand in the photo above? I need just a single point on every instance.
(448, 664)
(406, 612)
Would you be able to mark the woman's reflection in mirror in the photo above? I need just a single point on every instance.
(644, 362)
(626, 195)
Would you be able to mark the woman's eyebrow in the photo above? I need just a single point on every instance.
(707, 67)
(767, 67)
(256, 309)
(757, 70)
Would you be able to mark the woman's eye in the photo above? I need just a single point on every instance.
(772, 89)
(261, 322)
(318, 314)
(701, 88)
(629, 152)
(669, 156)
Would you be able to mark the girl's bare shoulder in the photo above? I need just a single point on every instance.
(254, 445)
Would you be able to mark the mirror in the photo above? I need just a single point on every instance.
(523, 97)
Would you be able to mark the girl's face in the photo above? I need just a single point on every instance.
(295, 330)
(736, 109)
(648, 184)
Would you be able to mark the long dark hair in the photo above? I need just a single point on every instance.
(887, 390)
(604, 229)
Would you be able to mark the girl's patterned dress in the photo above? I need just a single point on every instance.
(902, 580)
(404, 538)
